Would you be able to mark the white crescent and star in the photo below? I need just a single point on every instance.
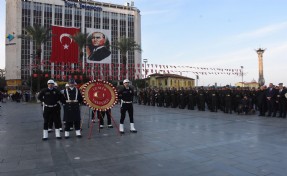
(96, 94)
(66, 46)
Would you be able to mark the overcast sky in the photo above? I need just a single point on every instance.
(209, 34)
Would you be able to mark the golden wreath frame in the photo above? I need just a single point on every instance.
(86, 88)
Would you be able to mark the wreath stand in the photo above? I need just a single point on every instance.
(91, 124)
(100, 96)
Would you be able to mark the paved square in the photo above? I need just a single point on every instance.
(169, 142)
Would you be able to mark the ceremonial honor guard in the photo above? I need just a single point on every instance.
(49, 97)
(126, 97)
(51, 122)
(72, 113)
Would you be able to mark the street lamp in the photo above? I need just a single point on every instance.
(145, 61)
(242, 76)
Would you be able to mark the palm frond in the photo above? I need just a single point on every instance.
(39, 34)
(80, 38)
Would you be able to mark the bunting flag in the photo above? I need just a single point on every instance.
(64, 48)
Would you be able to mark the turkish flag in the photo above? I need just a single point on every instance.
(64, 48)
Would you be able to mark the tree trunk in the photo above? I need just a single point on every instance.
(125, 66)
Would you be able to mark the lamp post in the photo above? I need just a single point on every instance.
(145, 61)
(242, 75)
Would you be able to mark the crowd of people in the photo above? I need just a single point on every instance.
(18, 96)
(269, 101)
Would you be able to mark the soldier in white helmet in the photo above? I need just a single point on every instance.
(49, 97)
(72, 114)
(126, 94)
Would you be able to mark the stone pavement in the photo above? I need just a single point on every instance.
(169, 142)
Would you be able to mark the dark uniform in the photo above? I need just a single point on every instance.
(201, 100)
(167, 98)
(51, 122)
(191, 101)
(228, 101)
(261, 101)
(271, 93)
(282, 101)
(160, 97)
(101, 116)
(126, 94)
(49, 98)
(72, 113)
(214, 101)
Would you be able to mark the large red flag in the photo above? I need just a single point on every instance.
(64, 49)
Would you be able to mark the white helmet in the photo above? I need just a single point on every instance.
(50, 81)
(126, 81)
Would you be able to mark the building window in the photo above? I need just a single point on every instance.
(25, 44)
(48, 15)
(97, 19)
(68, 16)
(88, 19)
(78, 18)
(58, 15)
(114, 39)
(37, 13)
(106, 20)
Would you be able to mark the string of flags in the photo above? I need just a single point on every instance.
(132, 69)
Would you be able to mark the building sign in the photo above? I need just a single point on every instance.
(10, 37)
(82, 6)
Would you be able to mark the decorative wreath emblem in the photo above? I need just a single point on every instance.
(99, 95)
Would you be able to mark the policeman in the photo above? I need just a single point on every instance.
(126, 97)
(51, 122)
(49, 97)
(72, 113)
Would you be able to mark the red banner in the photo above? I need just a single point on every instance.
(64, 49)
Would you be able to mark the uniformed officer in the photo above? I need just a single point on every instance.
(126, 94)
(51, 122)
(201, 99)
(72, 113)
(49, 97)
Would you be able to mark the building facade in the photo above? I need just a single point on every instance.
(119, 20)
(252, 84)
(169, 81)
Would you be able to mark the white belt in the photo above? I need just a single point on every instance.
(127, 101)
(71, 101)
(50, 106)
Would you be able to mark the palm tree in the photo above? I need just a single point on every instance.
(81, 39)
(40, 35)
(124, 45)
